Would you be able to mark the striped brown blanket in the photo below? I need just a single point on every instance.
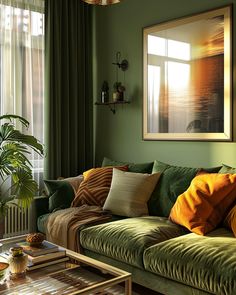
(63, 226)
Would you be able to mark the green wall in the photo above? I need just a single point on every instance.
(119, 28)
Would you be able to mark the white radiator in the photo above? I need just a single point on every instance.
(18, 221)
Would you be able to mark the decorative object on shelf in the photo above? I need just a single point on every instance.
(119, 88)
(35, 239)
(102, 2)
(105, 92)
(17, 261)
(118, 94)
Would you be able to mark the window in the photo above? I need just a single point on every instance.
(168, 64)
(22, 66)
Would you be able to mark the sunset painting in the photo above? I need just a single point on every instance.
(187, 78)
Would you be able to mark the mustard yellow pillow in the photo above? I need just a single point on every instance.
(88, 172)
(204, 204)
(230, 220)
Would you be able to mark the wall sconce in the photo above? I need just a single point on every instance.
(119, 88)
(123, 65)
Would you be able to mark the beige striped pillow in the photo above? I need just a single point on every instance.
(130, 192)
(95, 187)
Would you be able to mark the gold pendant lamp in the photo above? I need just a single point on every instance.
(101, 2)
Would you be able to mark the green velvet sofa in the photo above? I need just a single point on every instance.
(161, 255)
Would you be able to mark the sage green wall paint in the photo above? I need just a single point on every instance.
(119, 28)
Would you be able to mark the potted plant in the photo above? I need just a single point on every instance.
(119, 89)
(14, 164)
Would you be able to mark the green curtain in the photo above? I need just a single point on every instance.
(68, 84)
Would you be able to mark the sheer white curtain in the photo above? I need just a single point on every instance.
(22, 66)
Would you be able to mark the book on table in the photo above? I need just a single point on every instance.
(44, 248)
(42, 260)
(47, 257)
(32, 266)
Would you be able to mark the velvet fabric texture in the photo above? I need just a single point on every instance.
(61, 194)
(130, 192)
(132, 167)
(68, 97)
(95, 187)
(174, 181)
(205, 203)
(148, 279)
(204, 262)
(125, 240)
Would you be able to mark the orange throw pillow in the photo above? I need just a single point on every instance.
(204, 204)
(95, 187)
(230, 220)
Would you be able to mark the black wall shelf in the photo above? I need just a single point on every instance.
(112, 104)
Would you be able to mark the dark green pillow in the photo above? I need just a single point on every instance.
(174, 181)
(227, 169)
(61, 194)
(137, 168)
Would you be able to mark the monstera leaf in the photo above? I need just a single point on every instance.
(14, 163)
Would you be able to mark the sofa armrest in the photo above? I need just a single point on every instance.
(41, 206)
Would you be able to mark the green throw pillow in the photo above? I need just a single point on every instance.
(227, 169)
(61, 194)
(174, 181)
(137, 168)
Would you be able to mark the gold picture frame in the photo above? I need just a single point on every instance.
(188, 78)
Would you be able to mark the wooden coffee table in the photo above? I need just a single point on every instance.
(80, 275)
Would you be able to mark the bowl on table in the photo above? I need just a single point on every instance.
(4, 270)
(35, 239)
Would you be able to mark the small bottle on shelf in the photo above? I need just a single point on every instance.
(105, 92)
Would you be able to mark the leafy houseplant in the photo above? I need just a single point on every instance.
(14, 164)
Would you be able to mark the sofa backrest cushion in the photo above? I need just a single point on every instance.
(95, 187)
(205, 203)
(174, 181)
(130, 192)
(62, 192)
(132, 167)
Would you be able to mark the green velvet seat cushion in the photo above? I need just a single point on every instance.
(174, 181)
(125, 240)
(41, 223)
(132, 167)
(204, 262)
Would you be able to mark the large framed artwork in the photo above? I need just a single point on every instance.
(187, 78)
